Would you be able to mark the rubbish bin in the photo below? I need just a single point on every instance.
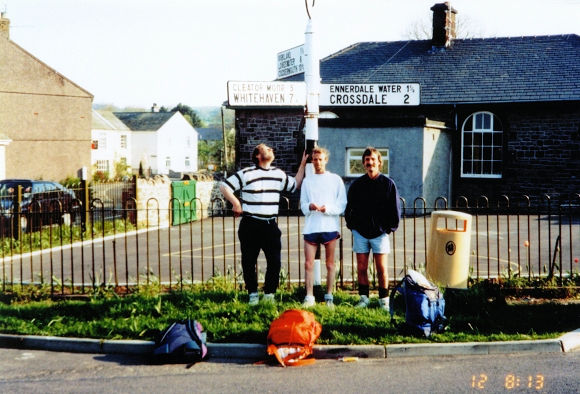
(448, 253)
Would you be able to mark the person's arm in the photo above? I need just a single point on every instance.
(300, 173)
(304, 201)
(394, 209)
(231, 197)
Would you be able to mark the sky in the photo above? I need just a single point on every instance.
(133, 53)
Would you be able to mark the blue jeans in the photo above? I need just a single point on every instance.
(256, 234)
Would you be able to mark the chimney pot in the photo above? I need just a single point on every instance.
(443, 24)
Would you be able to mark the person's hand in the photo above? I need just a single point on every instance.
(237, 209)
(304, 159)
(314, 207)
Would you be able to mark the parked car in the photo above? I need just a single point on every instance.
(43, 203)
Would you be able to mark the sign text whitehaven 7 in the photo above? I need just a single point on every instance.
(266, 94)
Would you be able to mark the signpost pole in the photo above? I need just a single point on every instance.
(312, 79)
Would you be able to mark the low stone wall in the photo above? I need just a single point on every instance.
(153, 196)
(211, 198)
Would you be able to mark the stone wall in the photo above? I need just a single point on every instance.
(541, 156)
(153, 196)
(281, 129)
(212, 201)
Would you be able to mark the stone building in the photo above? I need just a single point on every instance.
(495, 116)
(45, 119)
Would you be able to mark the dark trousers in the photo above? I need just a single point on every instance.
(256, 234)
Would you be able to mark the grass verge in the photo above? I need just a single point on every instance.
(478, 314)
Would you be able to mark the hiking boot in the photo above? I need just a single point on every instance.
(309, 302)
(254, 299)
(329, 300)
(384, 304)
(269, 298)
(363, 303)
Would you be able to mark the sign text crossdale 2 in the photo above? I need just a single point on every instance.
(370, 94)
(288, 94)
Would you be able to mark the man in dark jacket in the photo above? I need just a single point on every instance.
(372, 212)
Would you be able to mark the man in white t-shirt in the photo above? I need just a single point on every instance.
(322, 200)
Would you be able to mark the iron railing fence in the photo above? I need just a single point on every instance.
(507, 240)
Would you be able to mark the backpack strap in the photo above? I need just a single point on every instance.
(392, 298)
(194, 330)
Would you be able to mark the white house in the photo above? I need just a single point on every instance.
(111, 142)
(161, 141)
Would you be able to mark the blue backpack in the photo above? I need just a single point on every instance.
(424, 304)
(182, 341)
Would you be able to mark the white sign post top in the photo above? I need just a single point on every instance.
(266, 94)
(370, 94)
(290, 62)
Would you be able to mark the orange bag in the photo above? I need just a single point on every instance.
(292, 336)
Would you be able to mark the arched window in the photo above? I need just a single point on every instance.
(482, 146)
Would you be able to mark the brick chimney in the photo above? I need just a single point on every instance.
(443, 24)
(4, 26)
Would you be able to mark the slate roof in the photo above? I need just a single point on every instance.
(106, 120)
(210, 133)
(144, 121)
(482, 70)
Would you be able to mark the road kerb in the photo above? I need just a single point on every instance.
(570, 341)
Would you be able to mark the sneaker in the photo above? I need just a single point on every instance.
(363, 303)
(329, 300)
(384, 304)
(309, 302)
(269, 298)
(254, 299)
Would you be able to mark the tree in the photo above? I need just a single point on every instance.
(189, 114)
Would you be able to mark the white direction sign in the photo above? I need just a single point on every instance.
(370, 94)
(266, 94)
(290, 62)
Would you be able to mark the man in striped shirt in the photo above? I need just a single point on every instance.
(260, 187)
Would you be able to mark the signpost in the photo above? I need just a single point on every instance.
(291, 94)
(266, 94)
(370, 94)
(291, 62)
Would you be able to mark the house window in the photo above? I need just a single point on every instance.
(103, 141)
(482, 146)
(354, 165)
(95, 144)
(187, 162)
(123, 161)
(103, 165)
(168, 162)
(123, 141)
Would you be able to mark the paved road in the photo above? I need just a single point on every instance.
(210, 247)
(27, 371)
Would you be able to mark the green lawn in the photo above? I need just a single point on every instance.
(477, 314)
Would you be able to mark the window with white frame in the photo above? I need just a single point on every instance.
(167, 162)
(187, 162)
(482, 146)
(123, 141)
(103, 141)
(103, 165)
(354, 165)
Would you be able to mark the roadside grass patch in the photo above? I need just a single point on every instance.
(479, 314)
